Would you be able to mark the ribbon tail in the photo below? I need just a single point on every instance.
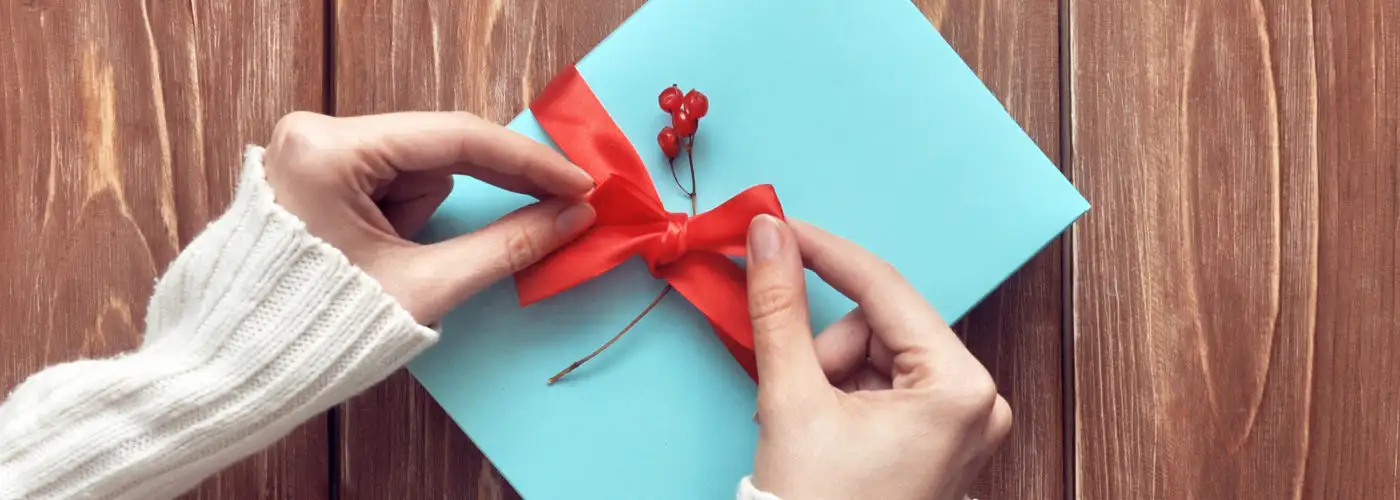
(719, 289)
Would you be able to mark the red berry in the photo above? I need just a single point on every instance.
(684, 122)
(696, 103)
(670, 143)
(670, 99)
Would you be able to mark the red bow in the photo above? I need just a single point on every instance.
(688, 252)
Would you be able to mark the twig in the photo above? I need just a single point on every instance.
(601, 348)
(690, 158)
(678, 181)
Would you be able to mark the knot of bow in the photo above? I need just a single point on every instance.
(692, 253)
(672, 245)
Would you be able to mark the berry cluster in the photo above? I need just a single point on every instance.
(686, 112)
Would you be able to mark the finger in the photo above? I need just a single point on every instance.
(409, 202)
(466, 144)
(895, 311)
(867, 378)
(788, 371)
(881, 356)
(512, 183)
(843, 346)
(997, 428)
(999, 424)
(468, 264)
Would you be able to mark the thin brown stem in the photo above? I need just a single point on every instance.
(690, 158)
(694, 209)
(603, 347)
(677, 178)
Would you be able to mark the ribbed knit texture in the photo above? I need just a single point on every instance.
(256, 327)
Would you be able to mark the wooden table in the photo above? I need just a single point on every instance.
(1224, 324)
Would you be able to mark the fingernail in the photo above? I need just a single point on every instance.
(574, 219)
(584, 176)
(764, 241)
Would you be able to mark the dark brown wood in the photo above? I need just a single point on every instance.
(1013, 45)
(491, 58)
(123, 128)
(1236, 288)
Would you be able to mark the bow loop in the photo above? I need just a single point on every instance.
(619, 202)
(689, 252)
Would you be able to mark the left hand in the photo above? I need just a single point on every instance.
(367, 184)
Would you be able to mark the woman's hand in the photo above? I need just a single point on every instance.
(367, 184)
(886, 403)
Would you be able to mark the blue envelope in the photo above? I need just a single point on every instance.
(867, 124)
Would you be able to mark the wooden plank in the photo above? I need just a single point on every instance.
(1236, 289)
(1013, 45)
(124, 126)
(491, 58)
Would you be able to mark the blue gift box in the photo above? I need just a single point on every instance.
(867, 124)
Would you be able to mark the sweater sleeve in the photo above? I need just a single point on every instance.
(255, 327)
(747, 491)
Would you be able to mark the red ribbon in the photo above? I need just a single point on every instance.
(688, 252)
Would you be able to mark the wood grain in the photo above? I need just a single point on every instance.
(124, 124)
(1017, 332)
(1236, 294)
(491, 58)
(488, 58)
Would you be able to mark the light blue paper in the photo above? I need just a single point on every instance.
(865, 121)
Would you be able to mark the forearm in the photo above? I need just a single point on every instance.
(256, 327)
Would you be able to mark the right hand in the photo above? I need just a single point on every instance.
(886, 403)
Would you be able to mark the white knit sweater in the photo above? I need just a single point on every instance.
(256, 327)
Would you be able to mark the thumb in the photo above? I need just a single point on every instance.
(461, 267)
(788, 371)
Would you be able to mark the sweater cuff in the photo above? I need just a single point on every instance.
(255, 327)
(747, 491)
(266, 289)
